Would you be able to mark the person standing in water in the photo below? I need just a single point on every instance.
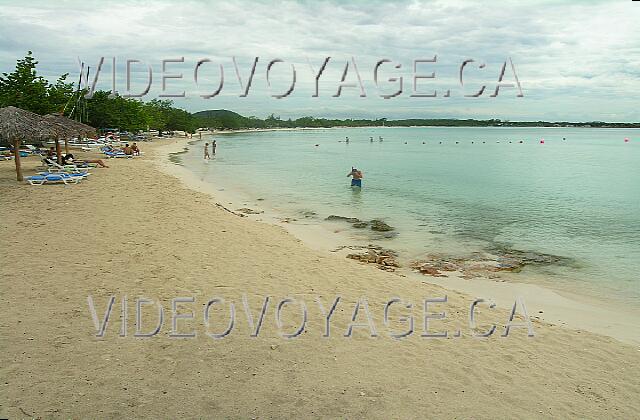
(371, 139)
(346, 140)
(357, 177)
(213, 147)
(206, 151)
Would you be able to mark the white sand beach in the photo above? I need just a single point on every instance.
(134, 230)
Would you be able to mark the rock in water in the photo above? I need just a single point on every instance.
(247, 210)
(333, 217)
(431, 271)
(380, 226)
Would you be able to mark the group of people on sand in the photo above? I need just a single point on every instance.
(213, 150)
(68, 159)
(129, 150)
(132, 150)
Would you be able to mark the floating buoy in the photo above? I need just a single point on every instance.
(541, 141)
(626, 139)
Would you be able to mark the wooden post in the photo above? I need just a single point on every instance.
(66, 146)
(16, 152)
(58, 151)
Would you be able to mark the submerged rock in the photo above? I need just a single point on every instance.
(380, 226)
(376, 225)
(510, 256)
(247, 210)
(333, 217)
(485, 264)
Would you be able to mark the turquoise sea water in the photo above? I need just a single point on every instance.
(459, 190)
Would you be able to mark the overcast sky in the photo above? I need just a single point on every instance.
(575, 60)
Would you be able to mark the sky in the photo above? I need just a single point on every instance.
(574, 60)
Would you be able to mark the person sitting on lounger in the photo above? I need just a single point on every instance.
(127, 150)
(136, 150)
(67, 159)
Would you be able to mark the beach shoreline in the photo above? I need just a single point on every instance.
(132, 231)
(556, 306)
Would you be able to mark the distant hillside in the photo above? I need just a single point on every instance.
(221, 118)
(229, 120)
(217, 113)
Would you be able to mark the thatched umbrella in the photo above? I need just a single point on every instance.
(71, 128)
(17, 124)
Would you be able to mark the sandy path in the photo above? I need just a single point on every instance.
(134, 231)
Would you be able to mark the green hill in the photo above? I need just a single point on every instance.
(217, 113)
(221, 118)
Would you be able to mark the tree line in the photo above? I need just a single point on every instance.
(225, 120)
(25, 89)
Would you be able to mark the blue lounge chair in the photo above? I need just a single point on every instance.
(54, 179)
(117, 155)
(78, 174)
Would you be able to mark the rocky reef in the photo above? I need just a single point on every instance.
(246, 210)
(380, 226)
(384, 259)
(485, 264)
(375, 225)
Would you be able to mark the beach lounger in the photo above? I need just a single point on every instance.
(117, 155)
(79, 174)
(46, 162)
(54, 167)
(53, 179)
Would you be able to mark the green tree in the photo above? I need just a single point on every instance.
(23, 88)
(59, 94)
(157, 113)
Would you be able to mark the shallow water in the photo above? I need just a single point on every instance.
(577, 198)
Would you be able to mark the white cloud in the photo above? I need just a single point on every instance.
(576, 61)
